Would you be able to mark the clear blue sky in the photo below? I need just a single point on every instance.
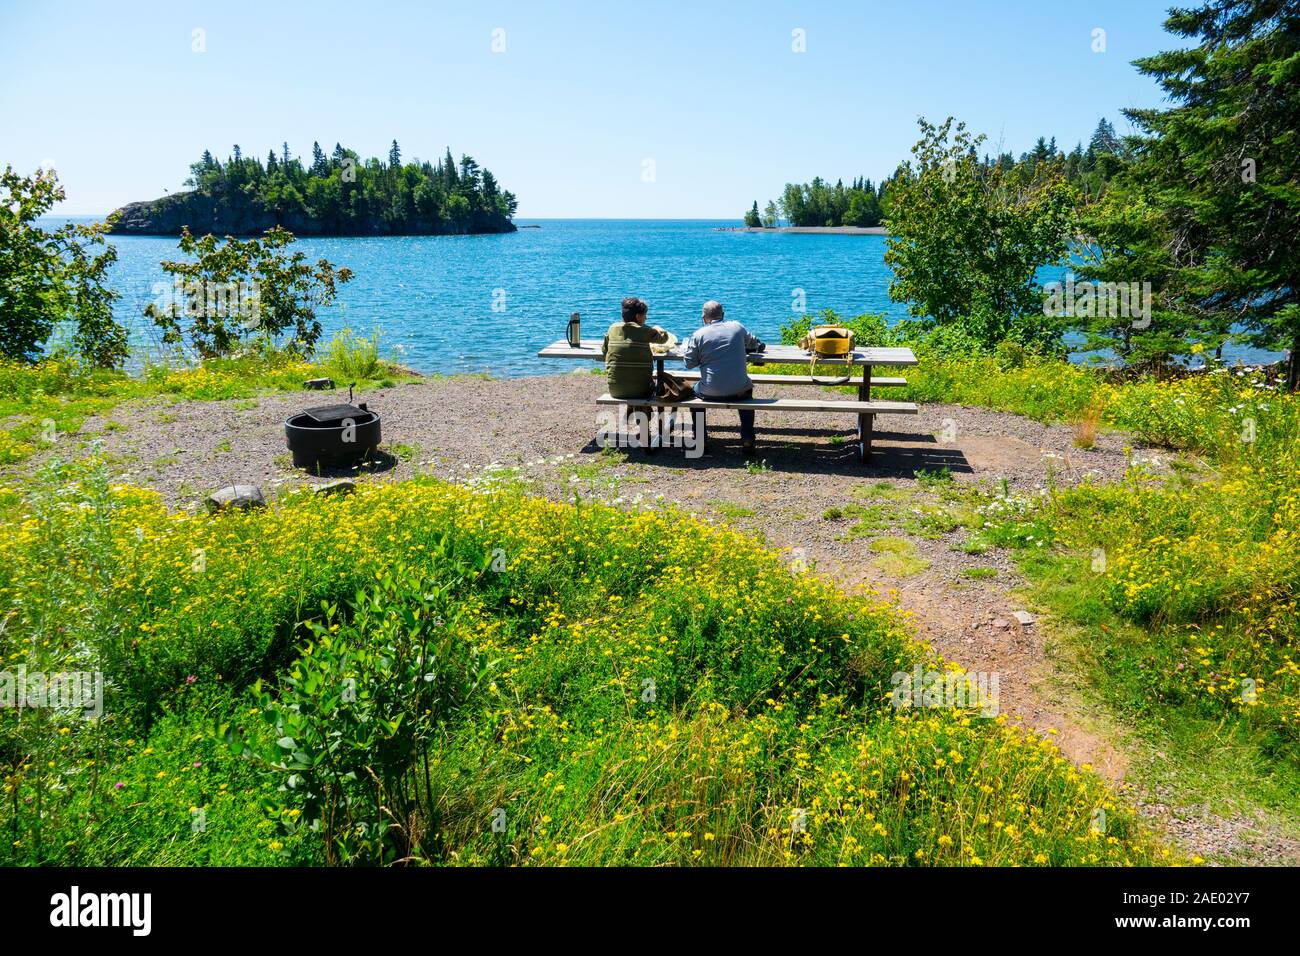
(116, 97)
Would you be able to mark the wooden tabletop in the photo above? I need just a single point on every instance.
(589, 350)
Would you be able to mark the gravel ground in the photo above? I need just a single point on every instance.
(546, 426)
(188, 448)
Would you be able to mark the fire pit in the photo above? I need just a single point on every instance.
(333, 435)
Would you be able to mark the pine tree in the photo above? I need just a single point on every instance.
(1104, 141)
(394, 156)
(1223, 168)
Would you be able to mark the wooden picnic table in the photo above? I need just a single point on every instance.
(865, 409)
(889, 356)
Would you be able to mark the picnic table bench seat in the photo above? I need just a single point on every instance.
(865, 410)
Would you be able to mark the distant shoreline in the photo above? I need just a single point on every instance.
(812, 230)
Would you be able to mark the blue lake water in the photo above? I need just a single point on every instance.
(489, 303)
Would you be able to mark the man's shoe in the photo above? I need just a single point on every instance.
(747, 449)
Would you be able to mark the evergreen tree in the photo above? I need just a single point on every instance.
(410, 199)
(1104, 141)
(1219, 172)
(752, 219)
(449, 171)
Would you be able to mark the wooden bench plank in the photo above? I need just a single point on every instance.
(772, 405)
(761, 379)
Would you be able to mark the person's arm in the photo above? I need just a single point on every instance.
(753, 343)
(692, 352)
(604, 345)
(657, 335)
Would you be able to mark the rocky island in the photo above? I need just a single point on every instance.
(335, 195)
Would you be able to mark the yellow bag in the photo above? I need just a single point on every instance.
(827, 341)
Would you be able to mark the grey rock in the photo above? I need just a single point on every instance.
(343, 486)
(1024, 617)
(242, 497)
(1001, 624)
(318, 383)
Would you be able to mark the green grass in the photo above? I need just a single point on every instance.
(406, 451)
(57, 397)
(1194, 755)
(730, 510)
(871, 520)
(1170, 593)
(380, 677)
(349, 357)
(933, 478)
(897, 557)
(980, 574)
(929, 520)
(883, 491)
(1178, 593)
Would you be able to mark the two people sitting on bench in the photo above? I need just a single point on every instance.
(629, 363)
(719, 349)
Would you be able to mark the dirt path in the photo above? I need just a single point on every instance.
(875, 526)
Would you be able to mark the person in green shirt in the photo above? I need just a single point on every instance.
(629, 363)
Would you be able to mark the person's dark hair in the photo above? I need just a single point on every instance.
(632, 307)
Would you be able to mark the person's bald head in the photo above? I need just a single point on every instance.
(712, 311)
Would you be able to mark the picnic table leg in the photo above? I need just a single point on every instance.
(699, 428)
(658, 413)
(865, 421)
(647, 434)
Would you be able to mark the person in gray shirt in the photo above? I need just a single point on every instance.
(718, 350)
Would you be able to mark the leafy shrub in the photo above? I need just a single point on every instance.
(353, 358)
(534, 682)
